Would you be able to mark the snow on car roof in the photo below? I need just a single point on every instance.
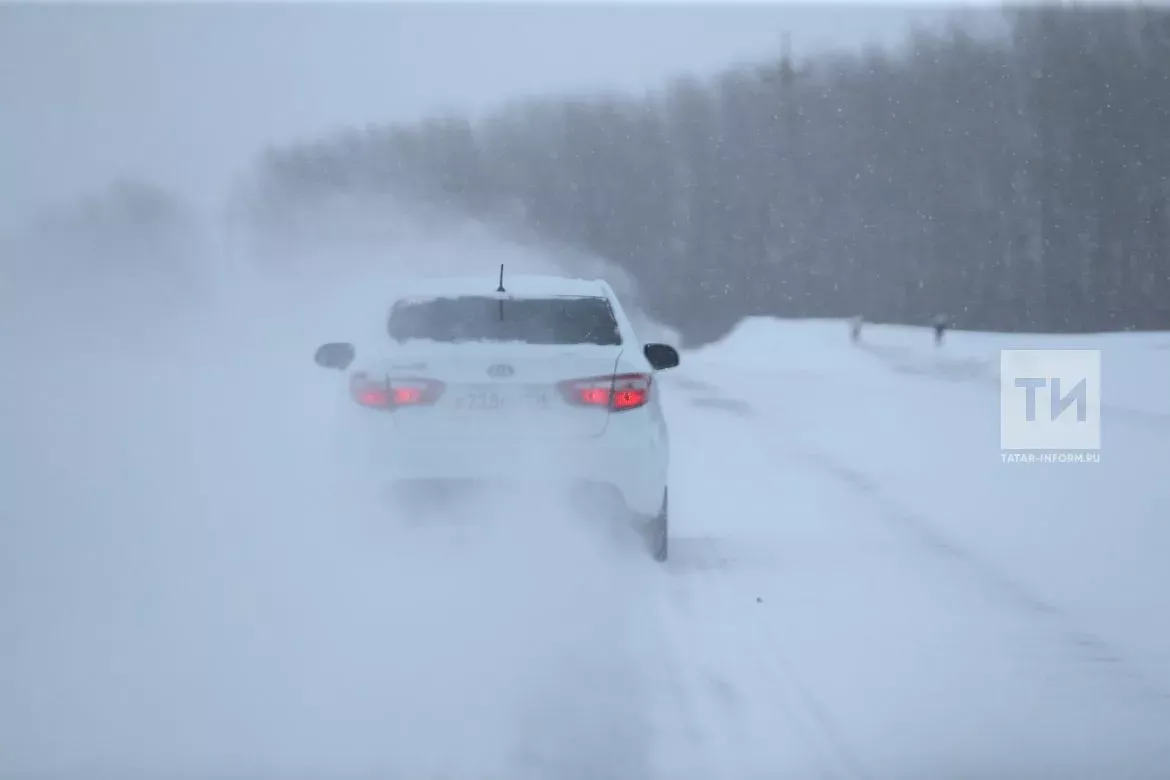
(521, 285)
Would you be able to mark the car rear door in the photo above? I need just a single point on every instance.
(492, 366)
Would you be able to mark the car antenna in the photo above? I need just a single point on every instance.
(501, 289)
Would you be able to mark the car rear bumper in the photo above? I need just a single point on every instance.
(602, 471)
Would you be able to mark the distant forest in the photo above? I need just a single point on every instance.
(1019, 183)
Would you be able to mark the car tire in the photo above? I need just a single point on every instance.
(658, 531)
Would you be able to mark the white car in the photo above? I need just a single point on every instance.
(531, 379)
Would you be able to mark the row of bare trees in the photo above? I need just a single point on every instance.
(1017, 183)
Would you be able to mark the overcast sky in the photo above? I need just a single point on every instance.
(185, 95)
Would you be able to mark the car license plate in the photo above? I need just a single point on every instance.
(493, 399)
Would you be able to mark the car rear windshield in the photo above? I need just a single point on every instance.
(561, 320)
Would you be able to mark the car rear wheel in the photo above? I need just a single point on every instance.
(658, 531)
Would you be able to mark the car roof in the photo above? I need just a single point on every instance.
(518, 285)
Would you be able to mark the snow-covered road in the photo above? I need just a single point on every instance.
(193, 583)
(857, 591)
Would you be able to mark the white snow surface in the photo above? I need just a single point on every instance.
(196, 583)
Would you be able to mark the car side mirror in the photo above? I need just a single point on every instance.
(661, 356)
(336, 354)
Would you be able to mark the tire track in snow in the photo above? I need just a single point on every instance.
(951, 668)
(1089, 647)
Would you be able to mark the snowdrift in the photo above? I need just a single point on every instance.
(1135, 366)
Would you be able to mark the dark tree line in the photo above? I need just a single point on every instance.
(112, 266)
(1019, 182)
(130, 229)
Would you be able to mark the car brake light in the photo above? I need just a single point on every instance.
(616, 393)
(388, 393)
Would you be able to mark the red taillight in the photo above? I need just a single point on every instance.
(631, 397)
(594, 396)
(372, 396)
(616, 393)
(406, 395)
(388, 393)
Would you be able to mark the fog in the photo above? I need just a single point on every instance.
(199, 577)
(198, 581)
(196, 578)
(185, 95)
